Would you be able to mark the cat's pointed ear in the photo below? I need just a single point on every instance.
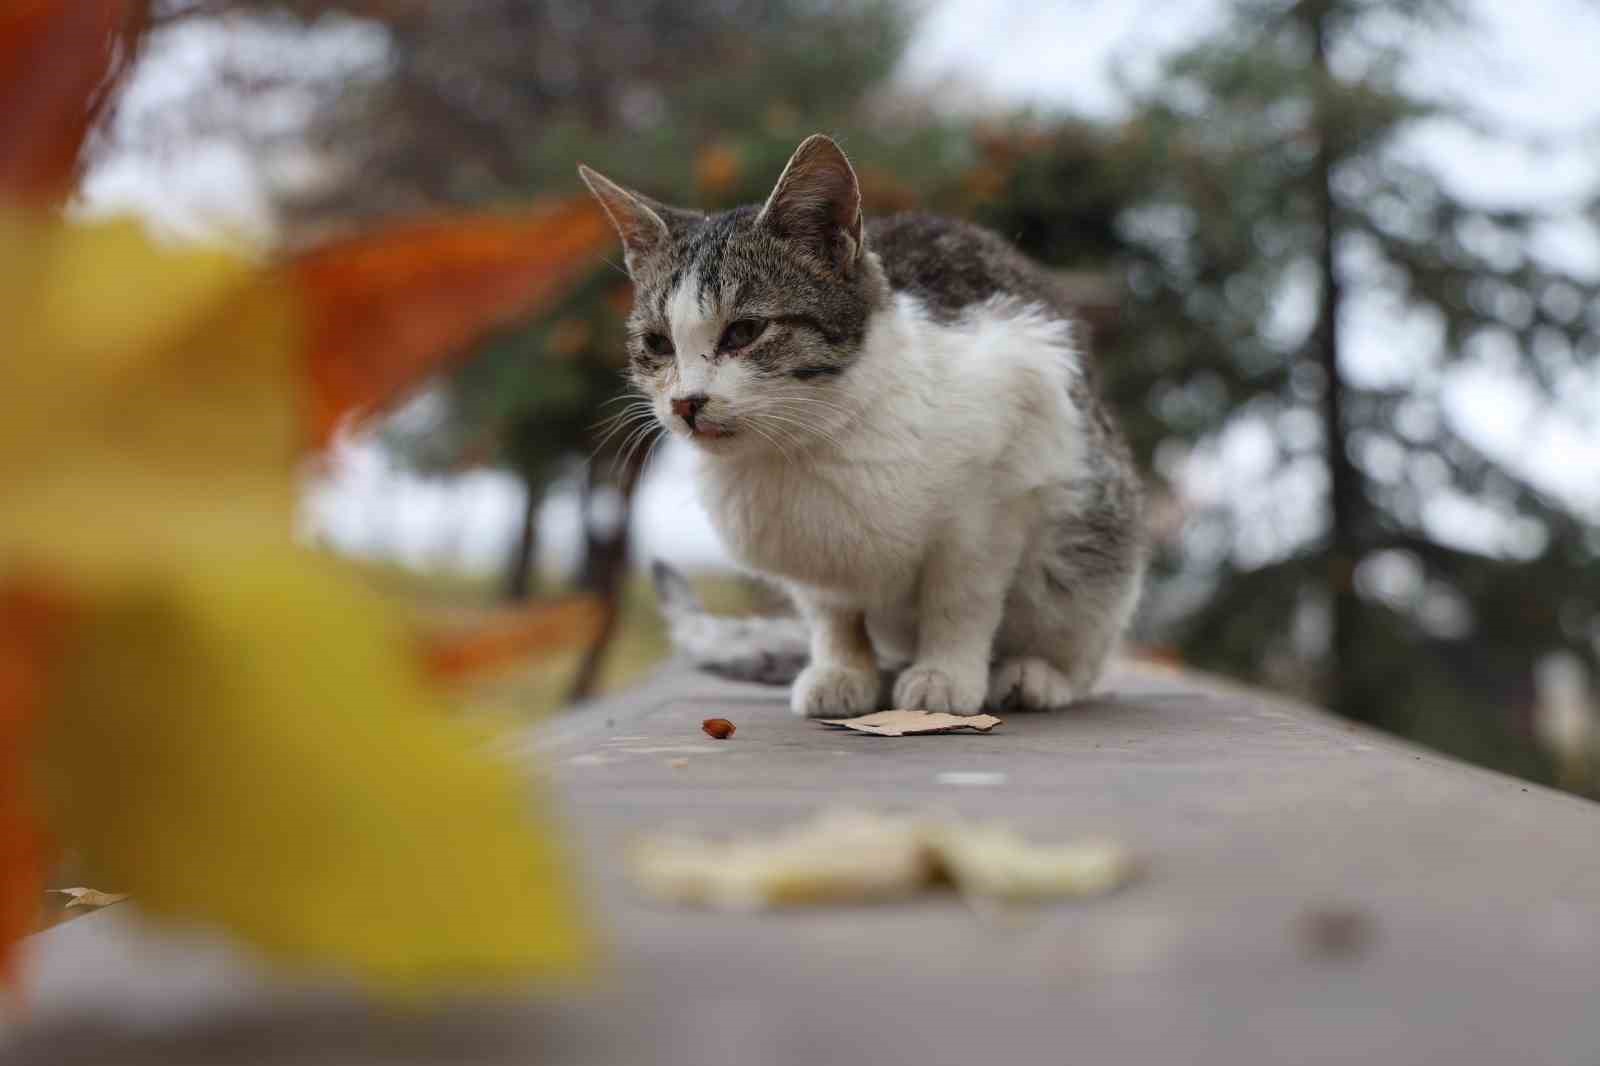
(645, 226)
(817, 201)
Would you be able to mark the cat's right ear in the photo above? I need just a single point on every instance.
(639, 221)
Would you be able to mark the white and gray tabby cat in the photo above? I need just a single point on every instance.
(896, 423)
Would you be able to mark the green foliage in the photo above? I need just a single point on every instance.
(1233, 151)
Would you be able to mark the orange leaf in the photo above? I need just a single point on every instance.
(385, 310)
(59, 61)
(512, 636)
(32, 628)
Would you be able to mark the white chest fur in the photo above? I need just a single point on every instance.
(952, 420)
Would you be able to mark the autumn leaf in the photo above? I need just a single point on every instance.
(59, 62)
(383, 311)
(913, 723)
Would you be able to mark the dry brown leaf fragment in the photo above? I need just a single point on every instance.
(90, 897)
(718, 728)
(915, 723)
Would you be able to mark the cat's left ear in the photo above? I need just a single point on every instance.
(817, 202)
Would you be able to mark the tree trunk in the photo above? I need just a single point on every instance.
(1345, 496)
(521, 576)
(605, 574)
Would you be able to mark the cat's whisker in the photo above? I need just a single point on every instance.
(633, 441)
(639, 430)
(638, 442)
(770, 439)
(815, 401)
(635, 397)
(631, 422)
(797, 440)
(622, 418)
(788, 406)
(651, 453)
(638, 404)
(804, 431)
(809, 430)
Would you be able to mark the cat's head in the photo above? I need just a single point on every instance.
(746, 324)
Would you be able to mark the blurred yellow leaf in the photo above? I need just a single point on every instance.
(240, 741)
(236, 733)
(138, 422)
(219, 723)
(231, 729)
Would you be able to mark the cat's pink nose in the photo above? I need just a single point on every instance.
(687, 407)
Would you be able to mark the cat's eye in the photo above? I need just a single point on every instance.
(658, 344)
(741, 333)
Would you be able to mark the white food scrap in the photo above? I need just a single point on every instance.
(857, 856)
(997, 861)
(840, 856)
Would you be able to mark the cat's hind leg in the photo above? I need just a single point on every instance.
(1030, 684)
(1059, 635)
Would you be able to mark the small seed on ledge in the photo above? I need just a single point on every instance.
(717, 728)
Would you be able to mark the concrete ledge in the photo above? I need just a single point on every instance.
(1316, 893)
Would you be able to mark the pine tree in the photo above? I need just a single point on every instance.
(1273, 175)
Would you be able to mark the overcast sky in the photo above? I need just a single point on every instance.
(1532, 65)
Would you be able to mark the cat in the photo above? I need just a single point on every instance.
(896, 422)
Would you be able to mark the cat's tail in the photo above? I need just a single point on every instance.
(766, 650)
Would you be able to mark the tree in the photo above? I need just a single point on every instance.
(1277, 203)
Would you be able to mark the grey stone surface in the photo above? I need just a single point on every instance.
(1314, 894)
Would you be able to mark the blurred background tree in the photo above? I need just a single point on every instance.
(1325, 524)
(1381, 561)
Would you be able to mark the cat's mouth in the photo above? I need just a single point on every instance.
(709, 431)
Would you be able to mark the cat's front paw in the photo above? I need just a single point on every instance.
(939, 688)
(834, 692)
(1029, 685)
